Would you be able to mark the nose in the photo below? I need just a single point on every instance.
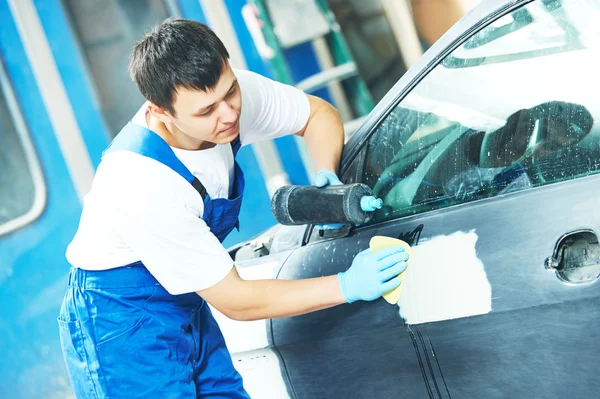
(227, 115)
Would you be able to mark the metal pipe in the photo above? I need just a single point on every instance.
(399, 15)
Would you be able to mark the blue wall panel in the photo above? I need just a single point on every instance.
(33, 271)
(191, 9)
(75, 79)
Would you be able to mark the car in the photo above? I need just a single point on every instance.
(486, 154)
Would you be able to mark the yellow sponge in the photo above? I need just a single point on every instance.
(380, 242)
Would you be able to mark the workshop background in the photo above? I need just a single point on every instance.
(65, 93)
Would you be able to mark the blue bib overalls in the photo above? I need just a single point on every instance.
(124, 336)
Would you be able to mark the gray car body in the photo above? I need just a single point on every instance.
(541, 339)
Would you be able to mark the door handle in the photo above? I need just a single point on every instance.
(576, 257)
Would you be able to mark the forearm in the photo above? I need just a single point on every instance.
(241, 299)
(371, 274)
(324, 136)
(268, 299)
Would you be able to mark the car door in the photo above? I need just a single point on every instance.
(488, 169)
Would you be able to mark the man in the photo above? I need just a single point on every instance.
(148, 253)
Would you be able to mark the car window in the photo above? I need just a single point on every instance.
(523, 33)
(492, 128)
(22, 192)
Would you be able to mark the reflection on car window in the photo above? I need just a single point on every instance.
(20, 180)
(106, 29)
(555, 26)
(471, 133)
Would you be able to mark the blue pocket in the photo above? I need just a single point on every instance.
(119, 313)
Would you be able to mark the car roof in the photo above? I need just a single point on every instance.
(472, 21)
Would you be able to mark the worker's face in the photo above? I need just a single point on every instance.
(212, 116)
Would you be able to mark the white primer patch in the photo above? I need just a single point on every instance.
(445, 280)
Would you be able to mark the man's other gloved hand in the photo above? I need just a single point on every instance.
(324, 178)
(372, 274)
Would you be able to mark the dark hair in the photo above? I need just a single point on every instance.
(176, 53)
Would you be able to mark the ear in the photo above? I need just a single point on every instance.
(160, 113)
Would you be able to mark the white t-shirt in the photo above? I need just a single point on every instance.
(140, 210)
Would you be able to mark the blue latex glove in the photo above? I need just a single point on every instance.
(324, 178)
(372, 274)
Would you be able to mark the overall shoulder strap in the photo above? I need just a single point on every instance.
(143, 141)
(235, 145)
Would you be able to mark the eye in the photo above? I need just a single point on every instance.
(207, 112)
(232, 91)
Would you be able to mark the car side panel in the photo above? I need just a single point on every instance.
(548, 351)
(534, 315)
